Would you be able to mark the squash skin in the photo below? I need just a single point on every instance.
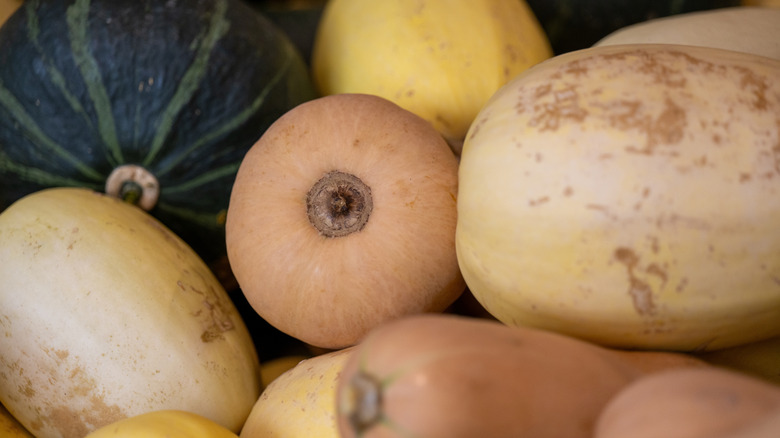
(693, 403)
(403, 261)
(117, 316)
(453, 376)
(299, 403)
(435, 59)
(163, 424)
(638, 214)
(182, 91)
(746, 29)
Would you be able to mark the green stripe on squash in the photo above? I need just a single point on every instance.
(183, 91)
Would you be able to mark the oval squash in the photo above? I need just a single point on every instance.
(163, 424)
(343, 216)
(107, 314)
(688, 403)
(746, 29)
(439, 60)
(442, 375)
(152, 101)
(628, 195)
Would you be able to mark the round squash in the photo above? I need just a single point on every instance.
(688, 403)
(167, 423)
(753, 30)
(451, 376)
(152, 101)
(628, 195)
(342, 216)
(300, 403)
(107, 314)
(439, 60)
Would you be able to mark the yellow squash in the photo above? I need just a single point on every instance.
(10, 426)
(745, 29)
(168, 423)
(629, 195)
(438, 59)
(301, 402)
(106, 314)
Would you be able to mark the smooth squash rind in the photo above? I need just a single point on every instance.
(628, 195)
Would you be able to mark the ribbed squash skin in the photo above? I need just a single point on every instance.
(182, 89)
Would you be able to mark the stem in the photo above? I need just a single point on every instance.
(135, 185)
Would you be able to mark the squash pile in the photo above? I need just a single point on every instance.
(436, 222)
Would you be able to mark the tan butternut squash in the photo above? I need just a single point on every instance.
(342, 216)
(688, 403)
(453, 376)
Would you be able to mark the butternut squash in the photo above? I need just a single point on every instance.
(343, 216)
(688, 403)
(453, 376)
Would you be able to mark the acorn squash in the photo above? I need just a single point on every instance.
(628, 195)
(107, 314)
(153, 101)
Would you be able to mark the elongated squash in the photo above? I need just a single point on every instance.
(688, 403)
(746, 29)
(628, 195)
(168, 423)
(107, 314)
(438, 376)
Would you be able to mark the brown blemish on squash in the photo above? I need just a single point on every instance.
(641, 293)
(565, 107)
(538, 201)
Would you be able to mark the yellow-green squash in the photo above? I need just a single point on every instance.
(628, 195)
(106, 314)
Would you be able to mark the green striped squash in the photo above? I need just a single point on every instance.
(155, 101)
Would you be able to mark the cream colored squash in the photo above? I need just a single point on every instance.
(301, 402)
(629, 195)
(438, 59)
(746, 29)
(106, 314)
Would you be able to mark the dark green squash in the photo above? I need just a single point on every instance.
(179, 89)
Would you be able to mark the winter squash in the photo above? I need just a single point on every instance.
(692, 403)
(154, 102)
(628, 195)
(439, 60)
(167, 423)
(299, 403)
(118, 316)
(453, 376)
(342, 216)
(753, 30)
